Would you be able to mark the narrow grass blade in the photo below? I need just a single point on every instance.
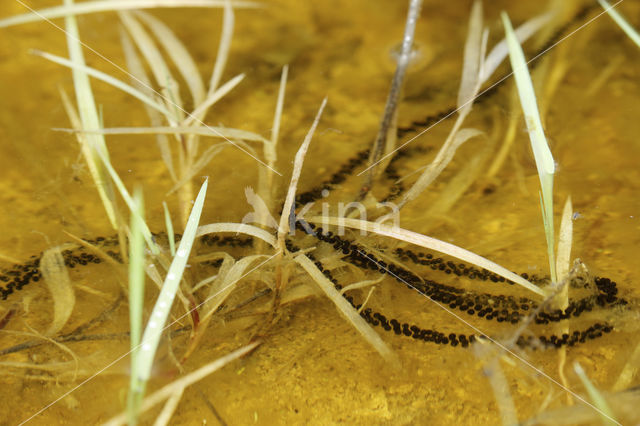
(214, 132)
(113, 5)
(347, 311)
(472, 58)
(203, 159)
(241, 228)
(169, 225)
(136, 293)
(604, 410)
(226, 35)
(140, 80)
(228, 277)
(89, 118)
(159, 68)
(541, 152)
(178, 54)
(430, 243)
(213, 97)
(183, 382)
(622, 23)
(118, 84)
(287, 210)
(136, 269)
(501, 50)
(56, 277)
(130, 203)
(162, 308)
(565, 238)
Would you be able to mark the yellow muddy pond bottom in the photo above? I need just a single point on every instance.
(470, 348)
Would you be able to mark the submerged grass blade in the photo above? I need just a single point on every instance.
(241, 228)
(140, 80)
(214, 132)
(162, 308)
(56, 276)
(183, 382)
(95, 144)
(427, 242)
(136, 269)
(228, 21)
(287, 210)
(136, 294)
(501, 50)
(178, 54)
(541, 152)
(113, 5)
(347, 310)
(213, 97)
(472, 58)
(129, 200)
(622, 23)
(164, 79)
(606, 414)
(169, 225)
(118, 84)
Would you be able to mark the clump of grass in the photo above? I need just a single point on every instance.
(477, 68)
(542, 154)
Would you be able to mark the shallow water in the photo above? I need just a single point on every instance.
(313, 368)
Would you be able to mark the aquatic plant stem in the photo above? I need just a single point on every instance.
(386, 137)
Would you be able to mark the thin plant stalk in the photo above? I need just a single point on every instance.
(622, 23)
(385, 139)
(114, 5)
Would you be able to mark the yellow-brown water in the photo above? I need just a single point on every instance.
(312, 367)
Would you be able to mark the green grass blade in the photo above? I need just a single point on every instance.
(169, 225)
(93, 144)
(622, 23)
(136, 293)
(162, 308)
(541, 152)
(130, 203)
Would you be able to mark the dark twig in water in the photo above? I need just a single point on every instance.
(212, 408)
(389, 118)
